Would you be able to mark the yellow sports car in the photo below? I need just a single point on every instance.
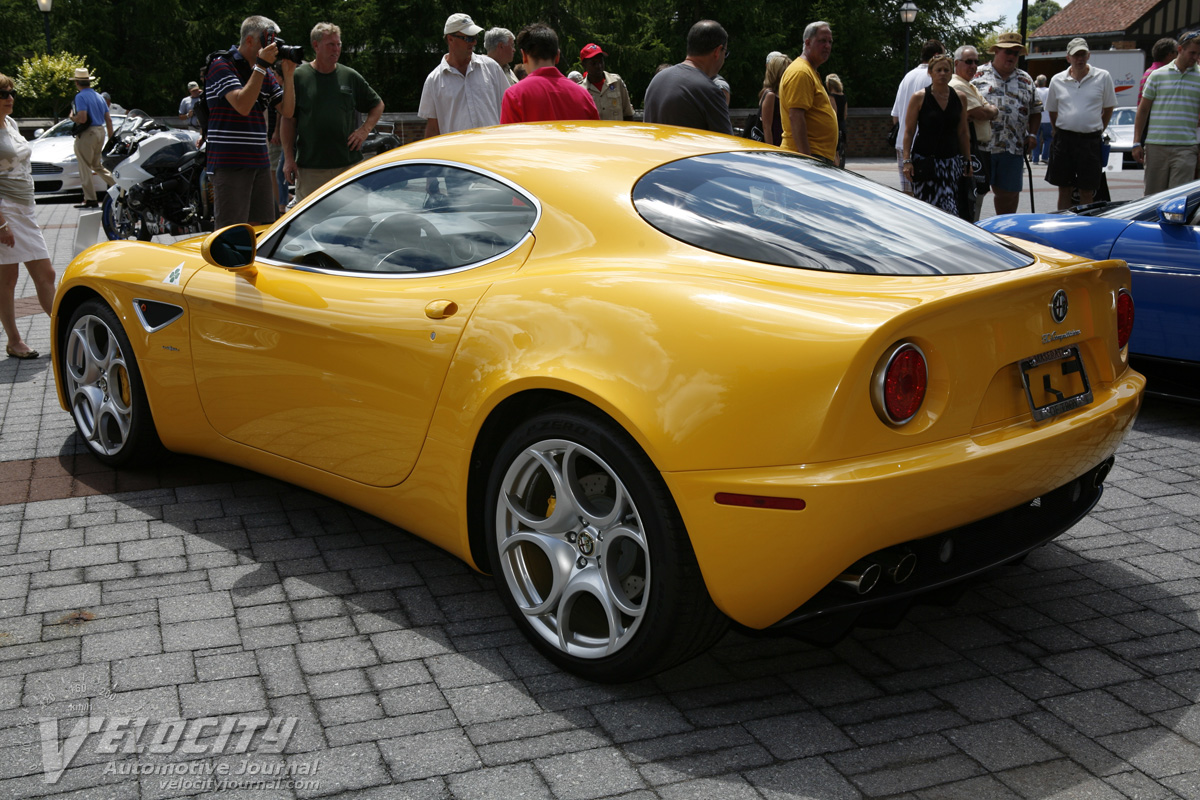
(651, 379)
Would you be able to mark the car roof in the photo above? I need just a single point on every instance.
(567, 161)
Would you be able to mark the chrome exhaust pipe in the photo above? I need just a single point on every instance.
(898, 564)
(1101, 472)
(861, 576)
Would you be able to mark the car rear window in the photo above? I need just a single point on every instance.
(783, 209)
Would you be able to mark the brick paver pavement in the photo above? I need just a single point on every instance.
(240, 605)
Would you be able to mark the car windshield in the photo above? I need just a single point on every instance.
(1146, 209)
(63, 127)
(783, 209)
(1123, 116)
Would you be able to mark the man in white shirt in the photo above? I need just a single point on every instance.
(914, 81)
(465, 89)
(1080, 102)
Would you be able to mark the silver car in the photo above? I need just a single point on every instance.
(1120, 135)
(55, 170)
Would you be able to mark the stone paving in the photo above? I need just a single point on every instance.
(323, 653)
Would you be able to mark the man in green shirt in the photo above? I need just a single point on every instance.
(320, 141)
(1165, 125)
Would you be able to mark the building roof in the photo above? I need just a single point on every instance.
(1081, 17)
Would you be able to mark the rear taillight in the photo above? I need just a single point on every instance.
(900, 382)
(1124, 317)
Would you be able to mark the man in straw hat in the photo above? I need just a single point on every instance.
(90, 109)
(1014, 130)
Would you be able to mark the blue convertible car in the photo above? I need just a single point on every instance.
(1159, 237)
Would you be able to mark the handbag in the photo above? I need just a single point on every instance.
(753, 128)
(923, 169)
(892, 134)
(981, 162)
(78, 128)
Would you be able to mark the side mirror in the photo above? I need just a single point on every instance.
(1173, 212)
(233, 248)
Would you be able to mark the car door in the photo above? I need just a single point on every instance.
(1165, 263)
(332, 350)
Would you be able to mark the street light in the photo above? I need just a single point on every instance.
(908, 15)
(44, 6)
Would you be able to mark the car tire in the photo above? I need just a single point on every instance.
(104, 388)
(589, 552)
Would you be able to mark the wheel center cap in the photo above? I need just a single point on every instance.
(586, 544)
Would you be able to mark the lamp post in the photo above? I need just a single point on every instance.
(908, 15)
(44, 6)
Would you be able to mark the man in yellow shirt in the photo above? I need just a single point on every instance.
(809, 121)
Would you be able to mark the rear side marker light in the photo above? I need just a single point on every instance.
(898, 388)
(1124, 318)
(759, 501)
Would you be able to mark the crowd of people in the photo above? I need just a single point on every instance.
(962, 128)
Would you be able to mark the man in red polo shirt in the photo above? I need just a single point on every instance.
(546, 94)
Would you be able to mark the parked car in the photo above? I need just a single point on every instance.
(1120, 135)
(1159, 237)
(55, 170)
(652, 379)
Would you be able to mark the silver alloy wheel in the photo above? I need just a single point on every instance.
(98, 385)
(572, 548)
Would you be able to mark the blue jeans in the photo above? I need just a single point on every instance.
(1041, 151)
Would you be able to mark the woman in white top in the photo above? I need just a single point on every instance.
(21, 239)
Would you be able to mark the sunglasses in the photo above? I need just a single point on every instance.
(7, 93)
(468, 39)
(969, 60)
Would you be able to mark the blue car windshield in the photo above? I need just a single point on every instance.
(779, 208)
(1146, 209)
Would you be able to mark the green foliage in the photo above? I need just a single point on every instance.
(1039, 12)
(46, 85)
(147, 50)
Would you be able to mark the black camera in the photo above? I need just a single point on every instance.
(292, 52)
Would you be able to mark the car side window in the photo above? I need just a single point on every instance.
(407, 218)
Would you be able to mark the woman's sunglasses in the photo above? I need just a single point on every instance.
(7, 93)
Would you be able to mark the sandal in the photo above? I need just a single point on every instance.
(31, 354)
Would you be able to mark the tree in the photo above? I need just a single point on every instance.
(45, 84)
(1040, 12)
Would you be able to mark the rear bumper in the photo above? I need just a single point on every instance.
(764, 565)
(948, 557)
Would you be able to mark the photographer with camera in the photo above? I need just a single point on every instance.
(239, 87)
(321, 140)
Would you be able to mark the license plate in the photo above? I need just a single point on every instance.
(1055, 382)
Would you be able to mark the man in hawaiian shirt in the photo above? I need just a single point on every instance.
(1014, 130)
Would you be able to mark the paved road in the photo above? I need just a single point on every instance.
(388, 670)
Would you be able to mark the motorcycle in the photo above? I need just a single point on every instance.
(136, 126)
(160, 186)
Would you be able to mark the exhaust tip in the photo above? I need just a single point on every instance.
(1101, 472)
(861, 577)
(899, 566)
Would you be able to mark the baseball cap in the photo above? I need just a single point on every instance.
(193, 85)
(1075, 45)
(589, 50)
(461, 23)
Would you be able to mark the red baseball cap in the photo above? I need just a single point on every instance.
(589, 50)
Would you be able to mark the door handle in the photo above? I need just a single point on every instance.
(440, 309)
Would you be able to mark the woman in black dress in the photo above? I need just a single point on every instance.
(937, 145)
(768, 100)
